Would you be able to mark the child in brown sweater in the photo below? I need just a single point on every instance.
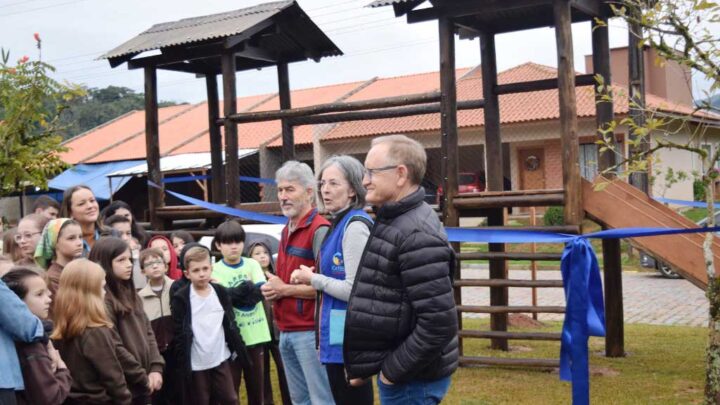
(47, 379)
(101, 367)
(125, 311)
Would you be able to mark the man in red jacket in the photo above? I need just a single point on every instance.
(294, 305)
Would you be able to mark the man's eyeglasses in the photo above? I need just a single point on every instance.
(27, 236)
(370, 172)
(154, 263)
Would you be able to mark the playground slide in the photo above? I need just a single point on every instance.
(621, 205)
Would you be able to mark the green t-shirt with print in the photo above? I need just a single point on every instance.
(250, 320)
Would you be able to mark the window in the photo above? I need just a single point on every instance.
(588, 161)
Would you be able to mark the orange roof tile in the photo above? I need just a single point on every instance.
(175, 129)
(514, 108)
(267, 131)
(89, 143)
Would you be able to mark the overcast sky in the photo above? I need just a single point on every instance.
(75, 32)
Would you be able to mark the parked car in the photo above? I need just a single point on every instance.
(665, 270)
(268, 233)
(468, 182)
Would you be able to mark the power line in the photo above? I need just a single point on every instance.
(99, 52)
(349, 55)
(41, 8)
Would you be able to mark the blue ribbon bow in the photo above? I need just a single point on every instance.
(584, 315)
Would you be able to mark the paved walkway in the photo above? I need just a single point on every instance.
(648, 297)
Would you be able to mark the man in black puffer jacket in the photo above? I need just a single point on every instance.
(401, 319)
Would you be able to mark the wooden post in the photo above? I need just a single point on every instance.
(533, 263)
(636, 80)
(152, 147)
(288, 141)
(568, 114)
(494, 179)
(216, 150)
(449, 141)
(232, 172)
(612, 262)
(601, 66)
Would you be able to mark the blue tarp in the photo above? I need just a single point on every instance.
(93, 176)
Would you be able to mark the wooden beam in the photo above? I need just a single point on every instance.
(216, 150)
(510, 283)
(449, 142)
(471, 7)
(539, 200)
(252, 52)
(422, 98)
(572, 181)
(231, 130)
(494, 180)
(386, 113)
(288, 141)
(511, 309)
(612, 261)
(507, 362)
(173, 55)
(510, 255)
(152, 147)
(400, 9)
(591, 8)
(612, 281)
(448, 121)
(539, 85)
(604, 109)
(636, 80)
(485, 334)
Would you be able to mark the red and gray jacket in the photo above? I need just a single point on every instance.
(296, 248)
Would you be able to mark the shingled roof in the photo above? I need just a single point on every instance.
(261, 36)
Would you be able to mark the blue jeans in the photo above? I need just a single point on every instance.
(306, 377)
(414, 392)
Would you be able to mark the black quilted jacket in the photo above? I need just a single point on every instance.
(401, 316)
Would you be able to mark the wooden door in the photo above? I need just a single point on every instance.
(532, 168)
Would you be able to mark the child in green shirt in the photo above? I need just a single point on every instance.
(230, 272)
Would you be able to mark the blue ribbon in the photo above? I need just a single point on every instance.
(234, 212)
(696, 204)
(585, 311)
(584, 315)
(183, 179)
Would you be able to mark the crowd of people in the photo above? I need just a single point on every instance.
(96, 310)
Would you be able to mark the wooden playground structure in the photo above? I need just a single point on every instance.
(279, 33)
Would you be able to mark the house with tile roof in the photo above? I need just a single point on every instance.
(529, 128)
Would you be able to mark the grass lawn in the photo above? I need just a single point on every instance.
(664, 365)
(695, 214)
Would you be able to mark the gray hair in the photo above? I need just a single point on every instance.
(296, 172)
(353, 171)
(406, 151)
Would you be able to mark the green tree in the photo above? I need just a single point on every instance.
(686, 32)
(30, 126)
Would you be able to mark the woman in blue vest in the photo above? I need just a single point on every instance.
(342, 194)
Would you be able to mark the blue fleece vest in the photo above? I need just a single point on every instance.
(332, 310)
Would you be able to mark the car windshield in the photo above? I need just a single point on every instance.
(466, 179)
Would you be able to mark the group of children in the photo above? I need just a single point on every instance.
(188, 333)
